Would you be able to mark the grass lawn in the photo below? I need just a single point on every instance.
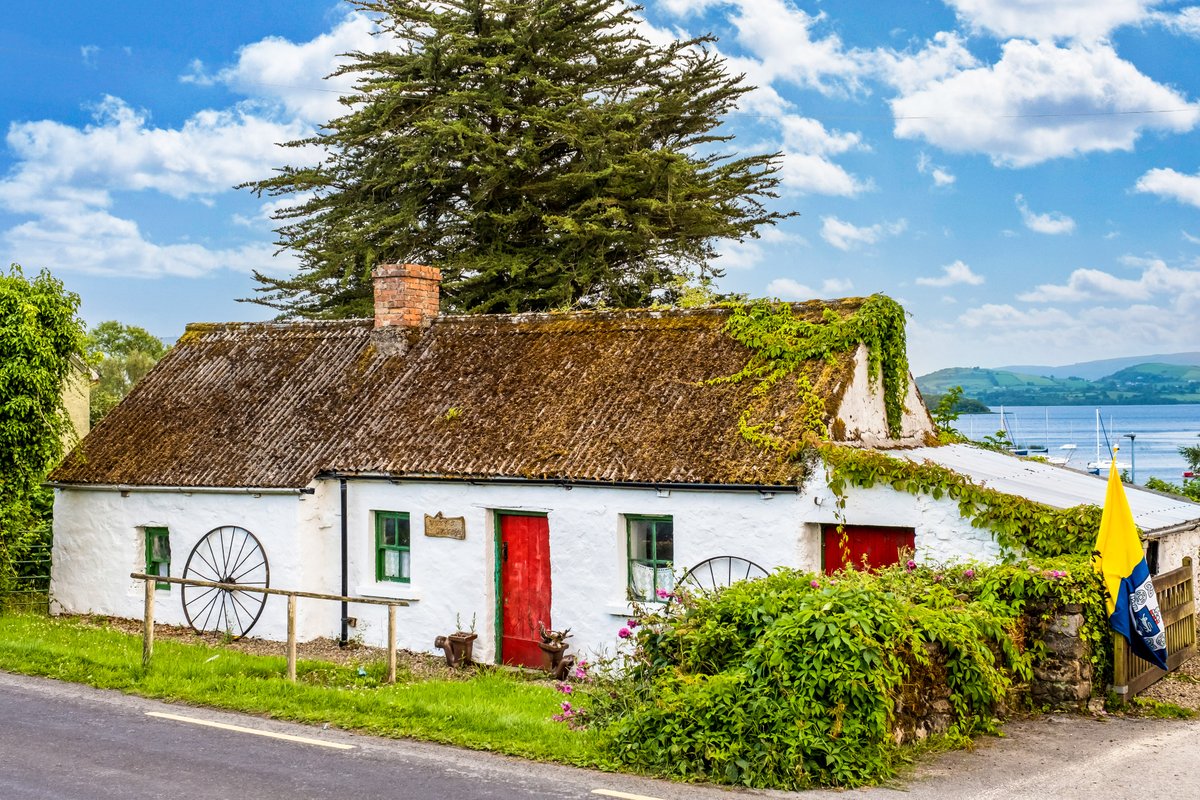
(492, 710)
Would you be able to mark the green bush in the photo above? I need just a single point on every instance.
(792, 681)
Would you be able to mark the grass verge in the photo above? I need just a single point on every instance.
(493, 710)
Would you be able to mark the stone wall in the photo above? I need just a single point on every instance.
(1062, 681)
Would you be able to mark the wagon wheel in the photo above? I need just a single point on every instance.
(226, 555)
(714, 574)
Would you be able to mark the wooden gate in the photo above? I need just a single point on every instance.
(1176, 600)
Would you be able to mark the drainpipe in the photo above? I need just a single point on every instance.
(345, 568)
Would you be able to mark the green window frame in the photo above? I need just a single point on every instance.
(158, 555)
(650, 556)
(393, 559)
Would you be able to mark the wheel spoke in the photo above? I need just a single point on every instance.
(238, 578)
(226, 555)
(207, 590)
(240, 559)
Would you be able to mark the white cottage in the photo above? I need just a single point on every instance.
(500, 471)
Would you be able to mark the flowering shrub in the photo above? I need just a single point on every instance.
(791, 681)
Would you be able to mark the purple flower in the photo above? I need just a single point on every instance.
(558, 718)
(970, 573)
(624, 633)
(911, 565)
(815, 584)
(566, 707)
(937, 578)
(662, 594)
(581, 673)
(565, 688)
(632, 623)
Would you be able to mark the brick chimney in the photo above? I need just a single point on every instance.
(406, 295)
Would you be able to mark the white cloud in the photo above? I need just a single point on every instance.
(789, 289)
(1189, 238)
(88, 53)
(1052, 223)
(1087, 20)
(944, 56)
(1096, 285)
(1186, 21)
(1171, 184)
(806, 167)
(294, 75)
(1040, 102)
(846, 236)
(732, 254)
(941, 176)
(953, 274)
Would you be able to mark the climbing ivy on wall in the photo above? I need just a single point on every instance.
(781, 343)
(1016, 523)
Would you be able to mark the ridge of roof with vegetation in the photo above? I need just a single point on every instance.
(612, 396)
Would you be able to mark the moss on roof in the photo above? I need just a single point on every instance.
(625, 396)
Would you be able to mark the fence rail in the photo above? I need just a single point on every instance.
(30, 587)
(1177, 601)
(149, 582)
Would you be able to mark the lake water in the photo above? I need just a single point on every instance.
(1159, 430)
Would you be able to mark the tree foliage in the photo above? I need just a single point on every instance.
(39, 335)
(542, 153)
(121, 355)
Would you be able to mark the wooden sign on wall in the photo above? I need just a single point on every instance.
(446, 527)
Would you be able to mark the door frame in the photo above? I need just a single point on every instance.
(498, 628)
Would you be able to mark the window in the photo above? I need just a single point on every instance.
(651, 542)
(158, 555)
(391, 546)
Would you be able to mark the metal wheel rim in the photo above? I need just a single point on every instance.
(713, 574)
(228, 554)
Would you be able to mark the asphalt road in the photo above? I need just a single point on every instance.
(67, 742)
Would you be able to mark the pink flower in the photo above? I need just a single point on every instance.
(565, 688)
(566, 707)
(662, 594)
(624, 633)
(580, 673)
(911, 565)
(970, 573)
(937, 578)
(632, 623)
(558, 718)
(815, 584)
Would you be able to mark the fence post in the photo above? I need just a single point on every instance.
(1120, 667)
(148, 624)
(391, 675)
(291, 634)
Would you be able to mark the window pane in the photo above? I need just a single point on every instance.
(389, 531)
(160, 548)
(391, 563)
(665, 540)
(639, 539)
(402, 532)
(404, 563)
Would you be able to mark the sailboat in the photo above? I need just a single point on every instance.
(1062, 461)
(1103, 464)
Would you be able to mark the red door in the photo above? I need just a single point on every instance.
(524, 587)
(874, 546)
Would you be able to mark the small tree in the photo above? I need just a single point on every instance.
(122, 355)
(39, 335)
(542, 153)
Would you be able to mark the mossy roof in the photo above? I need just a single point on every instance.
(602, 396)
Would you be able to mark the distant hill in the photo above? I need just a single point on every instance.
(1142, 383)
(1093, 370)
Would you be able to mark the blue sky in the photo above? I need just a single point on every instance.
(1023, 175)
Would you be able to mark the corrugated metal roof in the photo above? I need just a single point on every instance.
(614, 396)
(1053, 485)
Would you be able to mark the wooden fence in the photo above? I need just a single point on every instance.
(148, 615)
(1177, 601)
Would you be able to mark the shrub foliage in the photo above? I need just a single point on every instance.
(792, 681)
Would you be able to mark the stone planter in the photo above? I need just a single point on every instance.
(458, 647)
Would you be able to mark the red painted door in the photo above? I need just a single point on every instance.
(524, 587)
(876, 546)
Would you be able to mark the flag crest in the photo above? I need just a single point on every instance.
(1133, 608)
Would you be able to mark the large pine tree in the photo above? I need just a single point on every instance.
(540, 152)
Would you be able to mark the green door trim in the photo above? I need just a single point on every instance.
(498, 627)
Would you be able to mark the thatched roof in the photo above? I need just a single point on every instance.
(606, 396)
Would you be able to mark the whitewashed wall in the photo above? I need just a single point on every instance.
(99, 541)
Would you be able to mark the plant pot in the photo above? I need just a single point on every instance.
(461, 645)
(552, 655)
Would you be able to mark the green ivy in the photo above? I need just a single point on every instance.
(781, 344)
(1016, 523)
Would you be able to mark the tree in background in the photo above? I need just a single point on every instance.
(40, 333)
(121, 355)
(540, 152)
